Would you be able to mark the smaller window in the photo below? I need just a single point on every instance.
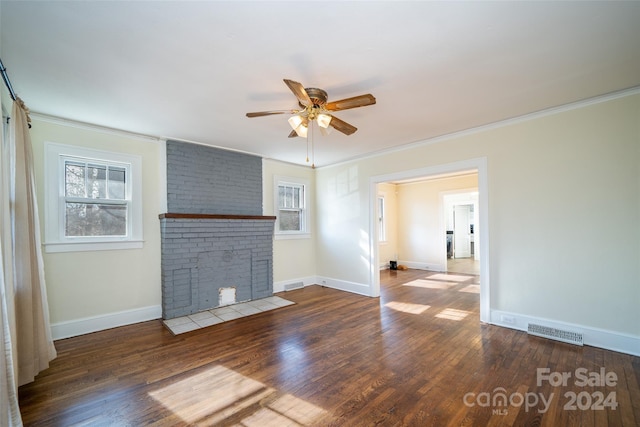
(382, 234)
(291, 205)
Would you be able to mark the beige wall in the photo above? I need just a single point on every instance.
(421, 221)
(293, 259)
(97, 283)
(563, 212)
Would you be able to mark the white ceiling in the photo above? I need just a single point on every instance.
(191, 70)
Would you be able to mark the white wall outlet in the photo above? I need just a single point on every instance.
(510, 320)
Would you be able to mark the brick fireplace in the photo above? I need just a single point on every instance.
(215, 242)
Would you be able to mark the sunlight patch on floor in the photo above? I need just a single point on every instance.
(286, 410)
(429, 284)
(453, 314)
(450, 277)
(219, 394)
(472, 289)
(406, 307)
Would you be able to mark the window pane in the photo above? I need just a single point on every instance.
(117, 183)
(296, 197)
(74, 179)
(83, 219)
(281, 196)
(288, 202)
(290, 220)
(97, 181)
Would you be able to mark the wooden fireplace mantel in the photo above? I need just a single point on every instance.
(213, 216)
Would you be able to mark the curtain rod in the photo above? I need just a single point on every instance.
(7, 82)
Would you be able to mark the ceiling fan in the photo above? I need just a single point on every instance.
(315, 107)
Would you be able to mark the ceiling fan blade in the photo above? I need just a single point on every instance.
(299, 91)
(293, 134)
(355, 102)
(342, 126)
(268, 113)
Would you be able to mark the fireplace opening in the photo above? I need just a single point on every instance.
(227, 296)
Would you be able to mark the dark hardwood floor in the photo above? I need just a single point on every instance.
(417, 356)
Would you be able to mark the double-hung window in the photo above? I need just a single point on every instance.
(292, 211)
(382, 226)
(93, 199)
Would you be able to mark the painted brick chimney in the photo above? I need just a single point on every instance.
(214, 236)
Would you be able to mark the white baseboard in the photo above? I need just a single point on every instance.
(306, 281)
(87, 325)
(342, 285)
(615, 341)
(431, 266)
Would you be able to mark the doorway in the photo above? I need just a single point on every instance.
(480, 221)
(462, 231)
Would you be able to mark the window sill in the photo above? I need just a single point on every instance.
(92, 246)
(282, 236)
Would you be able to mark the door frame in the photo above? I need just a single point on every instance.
(451, 198)
(479, 165)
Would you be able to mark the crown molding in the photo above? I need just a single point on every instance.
(416, 144)
(92, 127)
(494, 125)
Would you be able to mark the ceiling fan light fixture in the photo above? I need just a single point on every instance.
(301, 131)
(295, 121)
(324, 120)
(299, 124)
(315, 108)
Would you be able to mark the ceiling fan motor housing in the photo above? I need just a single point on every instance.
(318, 96)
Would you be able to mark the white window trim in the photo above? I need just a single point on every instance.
(282, 235)
(54, 240)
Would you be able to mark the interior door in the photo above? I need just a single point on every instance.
(461, 231)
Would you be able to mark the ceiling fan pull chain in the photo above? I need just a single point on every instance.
(308, 146)
(313, 151)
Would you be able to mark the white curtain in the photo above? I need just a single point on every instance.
(9, 411)
(34, 343)
(26, 344)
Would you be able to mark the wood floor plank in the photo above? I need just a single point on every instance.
(416, 356)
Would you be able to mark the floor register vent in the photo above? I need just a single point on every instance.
(570, 337)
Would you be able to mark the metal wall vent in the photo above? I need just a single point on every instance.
(570, 337)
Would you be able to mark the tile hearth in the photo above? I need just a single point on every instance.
(180, 325)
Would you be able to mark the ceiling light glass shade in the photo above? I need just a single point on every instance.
(325, 132)
(324, 120)
(299, 124)
(301, 131)
(295, 121)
